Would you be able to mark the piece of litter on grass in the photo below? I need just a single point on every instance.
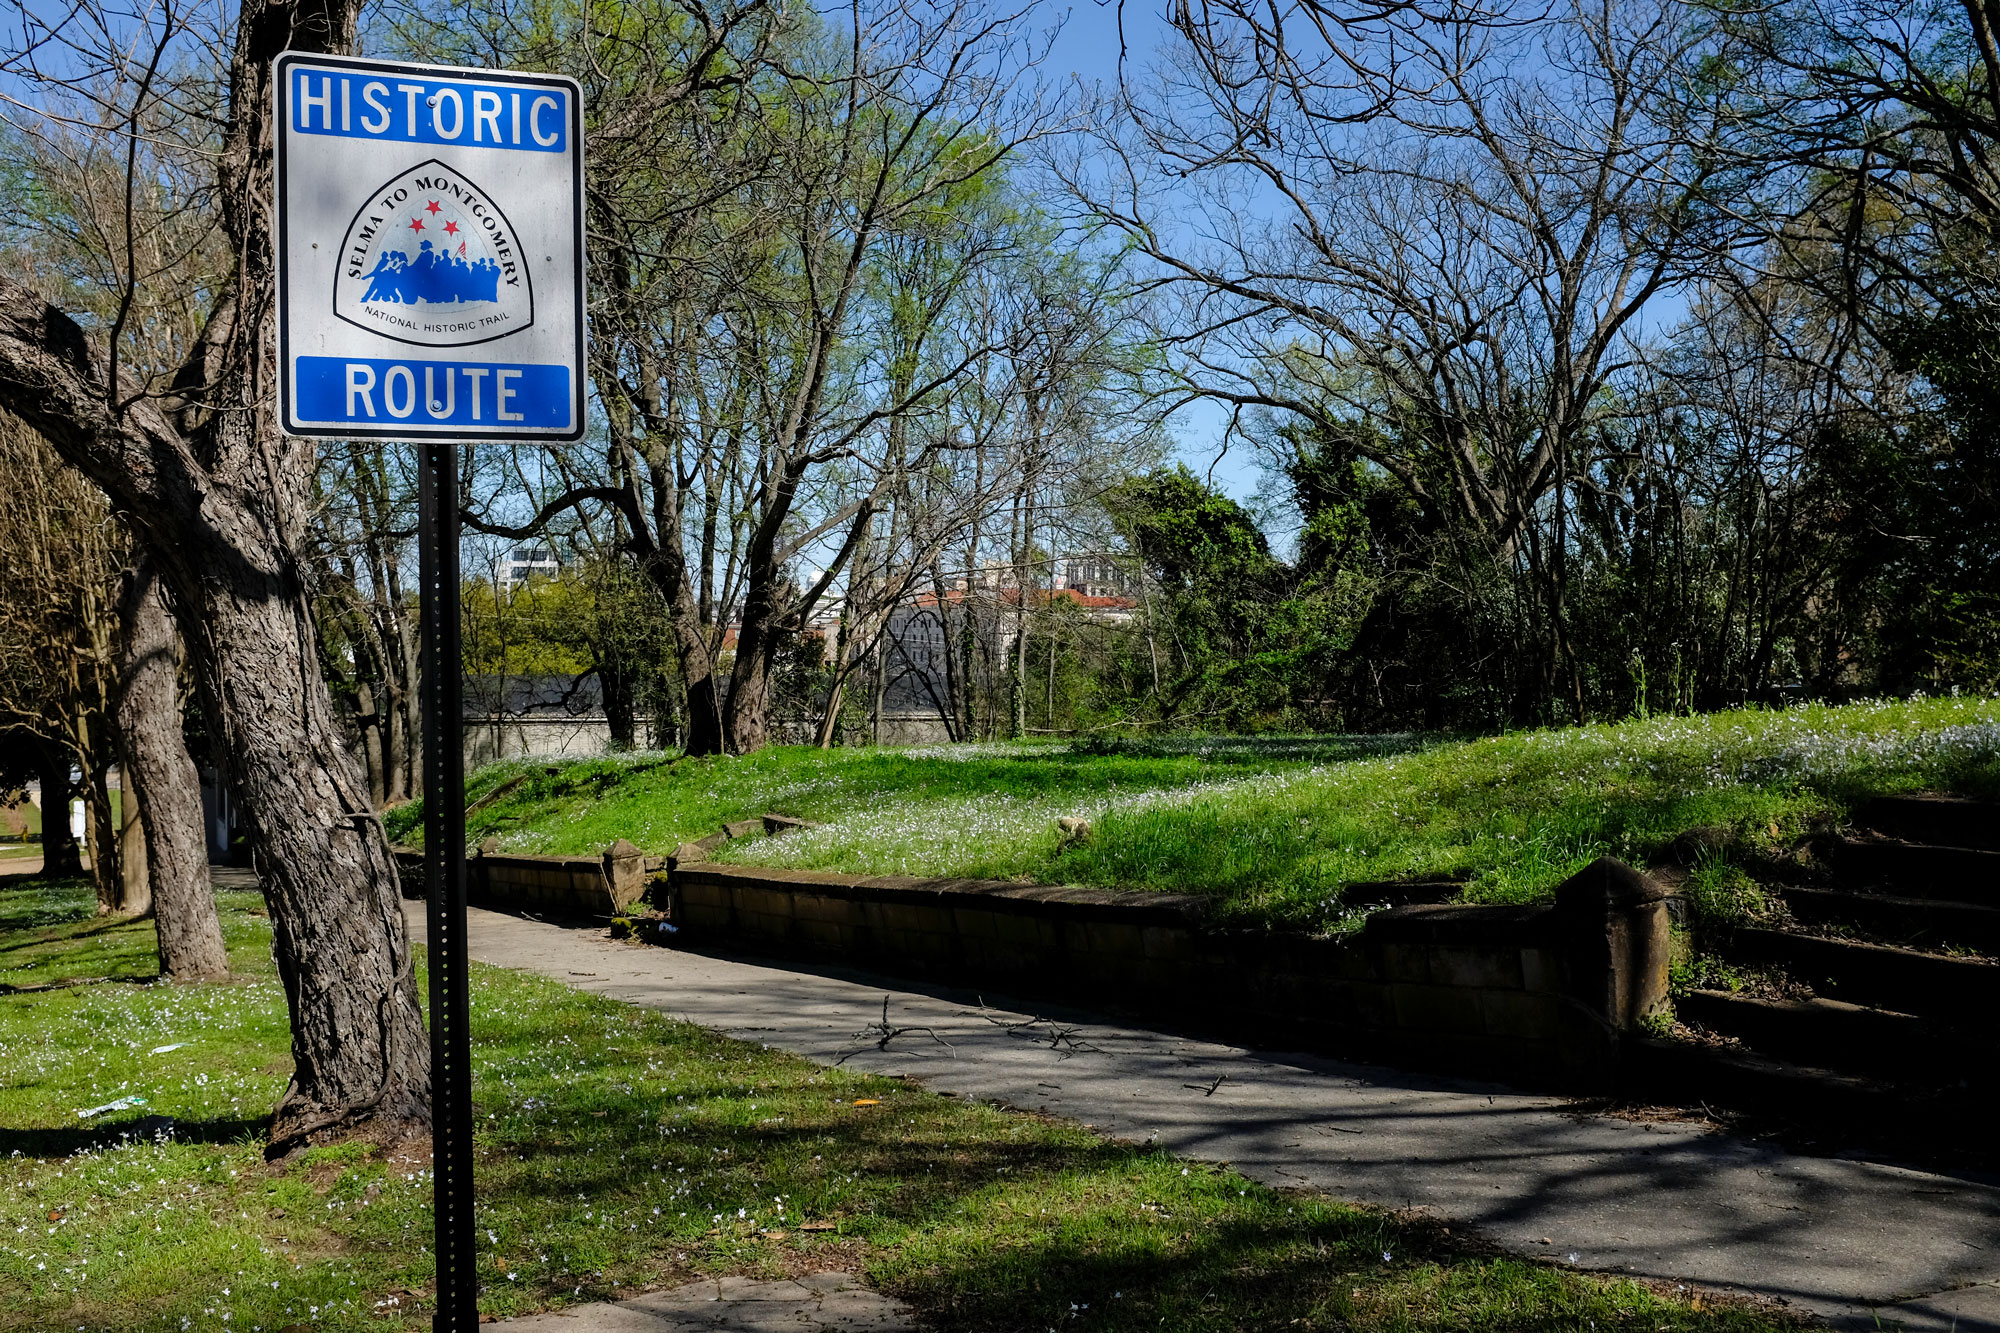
(866, 1101)
(162, 1050)
(118, 1105)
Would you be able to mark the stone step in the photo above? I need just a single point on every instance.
(1947, 821)
(1686, 1073)
(1922, 923)
(1955, 989)
(1918, 870)
(1838, 1110)
(1845, 1038)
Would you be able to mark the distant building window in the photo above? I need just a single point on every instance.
(528, 562)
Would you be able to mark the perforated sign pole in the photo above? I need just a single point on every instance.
(444, 876)
(430, 289)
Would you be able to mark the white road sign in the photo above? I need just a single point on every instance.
(430, 251)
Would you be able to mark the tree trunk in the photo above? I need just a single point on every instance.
(829, 720)
(157, 761)
(616, 684)
(968, 660)
(1052, 678)
(100, 830)
(878, 690)
(747, 715)
(132, 864)
(223, 502)
(61, 857)
(704, 711)
(369, 721)
(405, 726)
(358, 1039)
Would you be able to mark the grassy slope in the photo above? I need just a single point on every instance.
(1276, 828)
(619, 1148)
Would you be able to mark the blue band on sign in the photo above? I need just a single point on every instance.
(359, 390)
(431, 111)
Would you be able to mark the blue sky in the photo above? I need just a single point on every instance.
(1088, 48)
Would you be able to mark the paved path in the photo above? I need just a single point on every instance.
(1846, 1239)
(21, 865)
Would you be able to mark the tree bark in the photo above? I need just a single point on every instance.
(100, 829)
(61, 857)
(222, 500)
(133, 867)
(747, 714)
(619, 710)
(370, 723)
(157, 763)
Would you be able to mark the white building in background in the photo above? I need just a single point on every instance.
(1092, 576)
(1086, 574)
(528, 562)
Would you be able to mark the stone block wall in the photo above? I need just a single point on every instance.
(556, 886)
(1540, 995)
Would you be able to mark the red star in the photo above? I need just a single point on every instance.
(416, 224)
(451, 229)
(431, 207)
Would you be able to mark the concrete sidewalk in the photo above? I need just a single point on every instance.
(1849, 1240)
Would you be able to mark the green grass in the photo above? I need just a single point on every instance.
(619, 1149)
(1276, 829)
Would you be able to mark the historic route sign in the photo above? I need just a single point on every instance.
(430, 251)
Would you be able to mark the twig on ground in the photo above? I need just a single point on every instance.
(883, 1034)
(1060, 1038)
(1208, 1089)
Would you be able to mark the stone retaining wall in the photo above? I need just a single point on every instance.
(557, 886)
(1539, 995)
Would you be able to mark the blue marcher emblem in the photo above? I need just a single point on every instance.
(433, 276)
(430, 259)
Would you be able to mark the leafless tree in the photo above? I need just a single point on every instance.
(89, 671)
(758, 412)
(188, 451)
(160, 776)
(364, 520)
(59, 657)
(1461, 216)
(1866, 136)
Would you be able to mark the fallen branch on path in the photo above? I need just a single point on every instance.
(1060, 1038)
(884, 1033)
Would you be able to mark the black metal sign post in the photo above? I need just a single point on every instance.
(444, 878)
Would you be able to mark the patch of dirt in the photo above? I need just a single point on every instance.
(322, 1175)
(1644, 1113)
(1696, 1035)
(1756, 983)
(1703, 1300)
